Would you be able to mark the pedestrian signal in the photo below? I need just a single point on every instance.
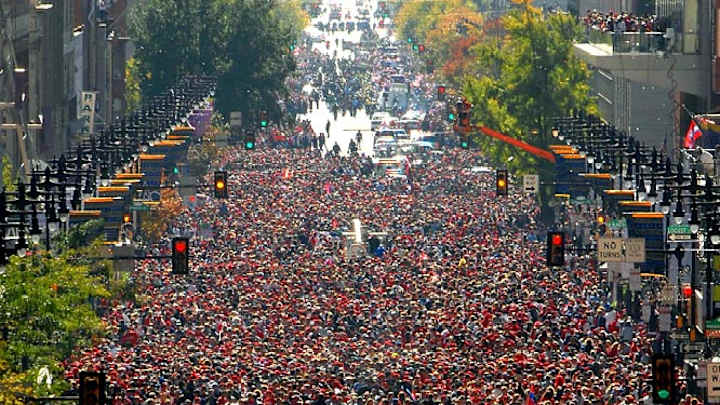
(221, 185)
(663, 379)
(501, 182)
(180, 255)
(555, 249)
(92, 388)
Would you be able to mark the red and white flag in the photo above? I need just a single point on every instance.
(692, 135)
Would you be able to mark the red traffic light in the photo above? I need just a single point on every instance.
(180, 245)
(421, 48)
(555, 254)
(441, 89)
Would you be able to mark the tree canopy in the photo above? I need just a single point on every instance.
(45, 312)
(524, 80)
(246, 43)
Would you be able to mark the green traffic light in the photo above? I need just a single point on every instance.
(410, 40)
(663, 394)
(451, 117)
(176, 170)
(263, 123)
(415, 48)
(249, 145)
(464, 145)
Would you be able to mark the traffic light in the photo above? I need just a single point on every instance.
(180, 255)
(464, 143)
(663, 379)
(416, 47)
(127, 218)
(221, 185)
(410, 40)
(421, 48)
(501, 182)
(441, 93)
(601, 222)
(92, 388)
(176, 170)
(459, 107)
(249, 140)
(263, 119)
(555, 249)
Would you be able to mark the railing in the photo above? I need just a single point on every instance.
(630, 42)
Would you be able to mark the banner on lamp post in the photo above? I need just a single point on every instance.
(86, 112)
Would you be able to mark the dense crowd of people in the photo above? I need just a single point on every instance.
(624, 22)
(458, 307)
(282, 305)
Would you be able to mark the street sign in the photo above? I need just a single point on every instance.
(617, 224)
(531, 183)
(139, 207)
(610, 250)
(668, 295)
(701, 376)
(635, 250)
(680, 335)
(677, 232)
(692, 347)
(236, 119)
(713, 379)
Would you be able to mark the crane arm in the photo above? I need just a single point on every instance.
(534, 150)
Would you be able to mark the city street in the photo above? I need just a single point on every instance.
(345, 128)
(320, 280)
(214, 235)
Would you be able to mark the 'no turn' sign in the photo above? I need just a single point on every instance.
(713, 379)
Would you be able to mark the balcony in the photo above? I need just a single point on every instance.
(646, 57)
(614, 43)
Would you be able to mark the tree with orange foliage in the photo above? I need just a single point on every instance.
(154, 223)
(449, 43)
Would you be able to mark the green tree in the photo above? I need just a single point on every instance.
(44, 303)
(133, 97)
(259, 59)
(173, 39)
(245, 43)
(524, 80)
(8, 179)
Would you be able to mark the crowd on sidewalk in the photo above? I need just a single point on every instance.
(624, 22)
(457, 307)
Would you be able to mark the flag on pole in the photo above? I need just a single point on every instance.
(692, 135)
